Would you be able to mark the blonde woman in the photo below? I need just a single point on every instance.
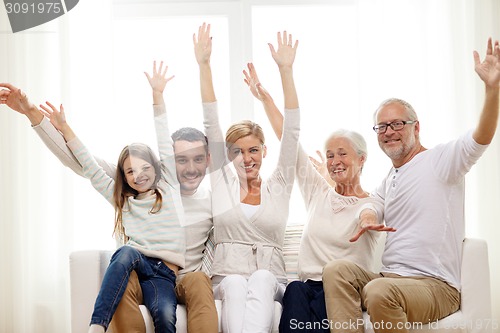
(345, 210)
(250, 214)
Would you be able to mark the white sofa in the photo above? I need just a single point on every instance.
(87, 269)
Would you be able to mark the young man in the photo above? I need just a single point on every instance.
(194, 287)
(424, 201)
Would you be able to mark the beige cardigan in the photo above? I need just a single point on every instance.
(244, 245)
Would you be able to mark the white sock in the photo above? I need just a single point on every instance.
(94, 328)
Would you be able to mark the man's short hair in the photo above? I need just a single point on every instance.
(190, 134)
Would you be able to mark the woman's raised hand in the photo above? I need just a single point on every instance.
(285, 55)
(203, 44)
(253, 82)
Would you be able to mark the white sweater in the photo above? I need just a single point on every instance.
(197, 207)
(424, 201)
(245, 245)
(332, 219)
(158, 235)
(198, 213)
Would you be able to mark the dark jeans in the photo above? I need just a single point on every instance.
(304, 308)
(157, 283)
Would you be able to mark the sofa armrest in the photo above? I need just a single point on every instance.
(86, 271)
(476, 291)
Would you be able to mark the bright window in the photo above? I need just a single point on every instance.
(352, 55)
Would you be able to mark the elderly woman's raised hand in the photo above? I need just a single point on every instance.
(322, 167)
(253, 82)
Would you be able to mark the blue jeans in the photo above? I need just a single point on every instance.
(157, 283)
(304, 308)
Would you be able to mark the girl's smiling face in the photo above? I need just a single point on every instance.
(139, 174)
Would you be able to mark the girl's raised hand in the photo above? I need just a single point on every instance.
(57, 117)
(159, 79)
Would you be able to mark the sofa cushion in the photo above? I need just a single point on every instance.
(208, 253)
(293, 235)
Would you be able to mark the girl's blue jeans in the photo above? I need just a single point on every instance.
(157, 282)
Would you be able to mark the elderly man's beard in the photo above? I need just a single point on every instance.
(399, 152)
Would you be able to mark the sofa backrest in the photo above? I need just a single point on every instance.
(293, 235)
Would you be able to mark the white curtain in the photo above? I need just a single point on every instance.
(38, 205)
(417, 50)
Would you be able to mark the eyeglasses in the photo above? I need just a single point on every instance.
(395, 126)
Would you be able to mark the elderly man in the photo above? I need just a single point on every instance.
(424, 201)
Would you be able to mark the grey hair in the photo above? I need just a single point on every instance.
(357, 141)
(410, 111)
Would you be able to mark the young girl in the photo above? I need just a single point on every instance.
(148, 214)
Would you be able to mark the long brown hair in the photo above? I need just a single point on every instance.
(123, 190)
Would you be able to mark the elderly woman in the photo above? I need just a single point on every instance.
(338, 216)
(250, 213)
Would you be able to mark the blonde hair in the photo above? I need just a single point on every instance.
(123, 191)
(242, 129)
